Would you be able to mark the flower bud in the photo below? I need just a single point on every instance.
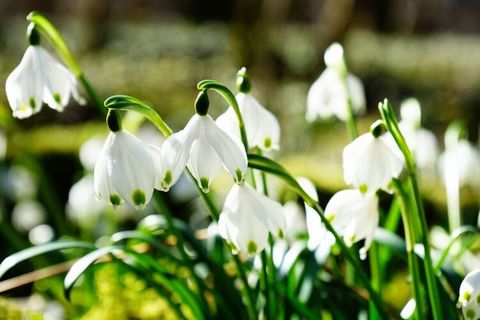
(243, 81)
(113, 121)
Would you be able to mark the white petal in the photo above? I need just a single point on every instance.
(58, 81)
(411, 112)
(357, 94)
(24, 86)
(204, 163)
(102, 181)
(227, 121)
(370, 164)
(230, 151)
(263, 129)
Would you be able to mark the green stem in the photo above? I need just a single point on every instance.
(392, 126)
(410, 243)
(456, 235)
(92, 94)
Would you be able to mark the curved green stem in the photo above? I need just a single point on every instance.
(56, 39)
(456, 235)
(270, 166)
(392, 125)
(230, 98)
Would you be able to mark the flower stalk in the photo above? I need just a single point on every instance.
(391, 123)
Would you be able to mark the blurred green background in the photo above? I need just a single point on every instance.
(158, 50)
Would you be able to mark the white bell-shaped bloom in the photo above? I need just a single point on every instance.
(125, 171)
(327, 96)
(170, 159)
(469, 295)
(369, 163)
(247, 219)
(262, 127)
(295, 220)
(461, 162)
(39, 78)
(355, 216)
(28, 214)
(211, 149)
(334, 56)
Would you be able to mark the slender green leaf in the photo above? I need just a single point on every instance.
(16, 258)
(82, 265)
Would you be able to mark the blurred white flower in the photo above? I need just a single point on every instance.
(469, 295)
(320, 239)
(82, 203)
(355, 216)
(422, 142)
(124, 171)
(461, 160)
(369, 163)
(295, 220)
(21, 183)
(28, 214)
(262, 127)
(39, 78)
(89, 152)
(329, 95)
(41, 234)
(247, 219)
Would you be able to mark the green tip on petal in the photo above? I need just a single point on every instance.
(57, 98)
(138, 197)
(167, 180)
(32, 103)
(252, 247)
(239, 175)
(267, 142)
(470, 314)
(280, 234)
(363, 188)
(466, 296)
(478, 299)
(204, 184)
(115, 199)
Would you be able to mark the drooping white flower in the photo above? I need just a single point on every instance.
(469, 295)
(422, 142)
(262, 127)
(210, 149)
(124, 170)
(28, 214)
(295, 220)
(39, 78)
(329, 95)
(461, 162)
(355, 216)
(247, 219)
(369, 163)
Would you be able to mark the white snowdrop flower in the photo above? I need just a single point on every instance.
(39, 78)
(320, 239)
(124, 171)
(469, 295)
(411, 112)
(28, 214)
(355, 216)
(295, 220)
(247, 219)
(327, 96)
(262, 127)
(41, 234)
(22, 183)
(369, 163)
(211, 148)
(461, 161)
